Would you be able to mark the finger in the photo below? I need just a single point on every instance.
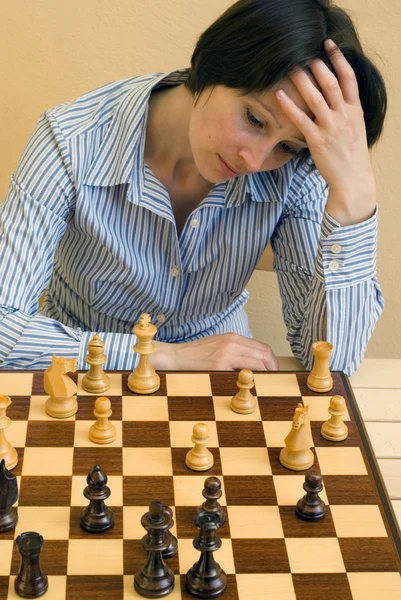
(257, 348)
(329, 84)
(313, 97)
(297, 116)
(255, 362)
(346, 74)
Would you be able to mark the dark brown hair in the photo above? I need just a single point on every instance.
(254, 44)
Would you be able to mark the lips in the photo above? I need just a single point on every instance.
(234, 171)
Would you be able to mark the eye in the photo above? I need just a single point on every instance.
(256, 123)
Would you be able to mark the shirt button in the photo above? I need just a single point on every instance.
(174, 271)
(194, 222)
(334, 265)
(336, 248)
(161, 318)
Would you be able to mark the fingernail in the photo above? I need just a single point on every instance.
(330, 44)
(281, 94)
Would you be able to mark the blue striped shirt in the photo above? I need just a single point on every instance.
(87, 220)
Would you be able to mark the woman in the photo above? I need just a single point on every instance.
(160, 193)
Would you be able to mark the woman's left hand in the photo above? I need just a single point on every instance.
(337, 137)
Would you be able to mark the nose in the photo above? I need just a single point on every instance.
(255, 156)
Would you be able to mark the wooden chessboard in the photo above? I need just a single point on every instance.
(267, 552)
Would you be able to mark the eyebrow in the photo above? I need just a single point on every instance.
(274, 115)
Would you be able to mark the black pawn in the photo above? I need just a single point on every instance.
(212, 492)
(206, 579)
(8, 497)
(172, 547)
(96, 517)
(155, 579)
(30, 582)
(311, 507)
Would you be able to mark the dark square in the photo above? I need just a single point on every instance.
(190, 408)
(185, 525)
(236, 434)
(319, 441)
(278, 469)
(38, 379)
(53, 558)
(368, 554)
(17, 470)
(250, 490)
(139, 491)
(115, 532)
(150, 434)
(293, 526)
(55, 434)
(86, 406)
(278, 409)
(110, 460)
(162, 391)
(45, 491)
(135, 557)
(95, 587)
(180, 468)
(4, 583)
(338, 388)
(321, 586)
(349, 489)
(224, 383)
(260, 556)
(19, 408)
(230, 593)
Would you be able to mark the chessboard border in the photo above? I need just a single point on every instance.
(391, 522)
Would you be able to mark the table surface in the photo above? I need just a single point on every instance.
(377, 389)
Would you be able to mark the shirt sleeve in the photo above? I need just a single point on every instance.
(33, 219)
(324, 268)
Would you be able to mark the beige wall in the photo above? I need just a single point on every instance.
(54, 50)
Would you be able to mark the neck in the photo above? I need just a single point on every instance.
(167, 146)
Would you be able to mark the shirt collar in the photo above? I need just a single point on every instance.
(120, 157)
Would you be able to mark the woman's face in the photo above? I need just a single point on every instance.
(243, 132)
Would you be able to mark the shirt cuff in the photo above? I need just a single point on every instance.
(348, 254)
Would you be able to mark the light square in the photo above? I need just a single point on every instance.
(223, 411)
(289, 489)
(258, 586)
(314, 555)
(276, 432)
(130, 592)
(147, 461)
(48, 461)
(6, 552)
(57, 585)
(132, 526)
(188, 384)
(188, 490)
(340, 461)
(181, 433)
(16, 433)
(371, 586)
(115, 389)
(53, 522)
(114, 482)
(95, 557)
(188, 555)
(245, 461)
(81, 436)
(255, 522)
(145, 408)
(37, 410)
(276, 384)
(16, 384)
(318, 408)
(358, 520)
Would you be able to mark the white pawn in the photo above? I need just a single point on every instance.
(243, 402)
(200, 458)
(335, 429)
(102, 432)
(7, 451)
(95, 381)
